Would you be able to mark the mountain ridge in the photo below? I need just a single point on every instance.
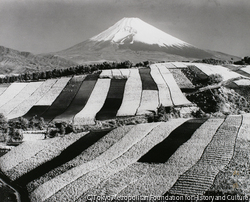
(131, 36)
(14, 61)
(128, 39)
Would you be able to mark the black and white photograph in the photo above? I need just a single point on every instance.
(124, 100)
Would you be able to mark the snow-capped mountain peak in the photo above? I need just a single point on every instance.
(132, 30)
(135, 40)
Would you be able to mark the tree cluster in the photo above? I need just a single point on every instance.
(76, 70)
(213, 61)
(244, 61)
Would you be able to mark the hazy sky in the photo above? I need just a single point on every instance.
(42, 26)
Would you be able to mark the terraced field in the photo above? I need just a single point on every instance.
(181, 157)
(246, 69)
(216, 69)
(82, 100)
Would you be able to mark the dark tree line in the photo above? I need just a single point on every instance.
(214, 61)
(244, 61)
(75, 70)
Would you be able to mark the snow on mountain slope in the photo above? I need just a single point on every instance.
(134, 29)
(135, 40)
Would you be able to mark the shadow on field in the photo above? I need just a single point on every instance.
(69, 153)
(113, 100)
(35, 111)
(161, 152)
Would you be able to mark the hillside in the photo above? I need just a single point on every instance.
(192, 143)
(15, 62)
(85, 99)
(179, 158)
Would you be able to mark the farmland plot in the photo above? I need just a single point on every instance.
(90, 153)
(128, 158)
(148, 82)
(244, 130)
(176, 94)
(158, 178)
(195, 75)
(161, 152)
(242, 82)
(216, 156)
(73, 179)
(149, 98)
(80, 99)
(164, 93)
(149, 102)
(126, 72)
(179, 64)
(217, 69)
(3, 87)
(246, 69)
(11, 92)
(94, 104)
(206, 68)
(42, 99)
(106, 74)
(29, 155)
(113, 100)
(23, 95)
(85, 141)
(235, 177)
(132, 94)
(126, 176)
(180, 78)
(53, 92)
(116, 73)
(64, 99)
(167, 65)
(26, 105)
(35, 111)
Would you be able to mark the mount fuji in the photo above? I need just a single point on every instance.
(135, 40)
